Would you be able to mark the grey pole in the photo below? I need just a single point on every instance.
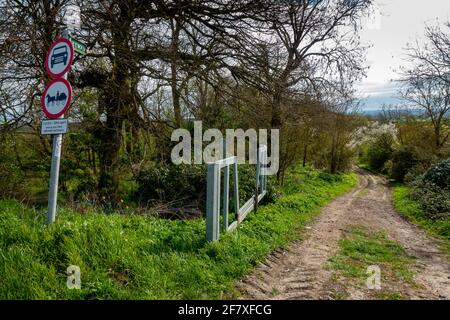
(226, 186)
(213, 202)
(54, 171)
(258, 172)
(54, 177)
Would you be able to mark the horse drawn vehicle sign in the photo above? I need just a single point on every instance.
(56, 98)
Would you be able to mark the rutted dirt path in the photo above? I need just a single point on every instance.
(299, 271)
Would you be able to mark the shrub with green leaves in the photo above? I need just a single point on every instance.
(186, 185)
(406, 204)
(432, 191)
(434, 201)
(439, 175)
(403, 159)
(168, 182)
(379, 151)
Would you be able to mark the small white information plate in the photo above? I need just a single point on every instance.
(54, 126)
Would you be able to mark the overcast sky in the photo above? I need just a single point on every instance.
(398, 22)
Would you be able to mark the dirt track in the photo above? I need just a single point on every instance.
(299, 271)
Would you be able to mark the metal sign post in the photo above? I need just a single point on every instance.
(54, 171)
(54, 178)
(58, 95)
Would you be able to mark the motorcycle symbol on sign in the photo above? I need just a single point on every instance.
(59, 98)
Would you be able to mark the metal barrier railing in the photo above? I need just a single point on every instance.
(213, 193)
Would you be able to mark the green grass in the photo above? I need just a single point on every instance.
(409, 208)
(361, 248)
(144, 257)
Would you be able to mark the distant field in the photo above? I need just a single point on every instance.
(377, 112)
(143, 257)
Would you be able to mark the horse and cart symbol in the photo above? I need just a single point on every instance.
(58, 99)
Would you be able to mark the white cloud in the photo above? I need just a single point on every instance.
(394, 24)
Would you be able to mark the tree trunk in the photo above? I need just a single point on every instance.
(333, 160)
(118, 103)
(305, 153)
(109, 157)
(176, 96)
(276, 110)
(94, 165)
(437, 133)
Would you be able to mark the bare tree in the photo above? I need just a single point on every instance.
(427, 81)
(253, 56)
(431, 94)
(431, 59)
(316, 44)
(171, 41)
(27, 28)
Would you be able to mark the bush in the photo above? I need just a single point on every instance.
(439, 175)
(345, 159)
(413, 210)
(387, 168)
(403, 160)
(11, 175)
(434, 201)
(168, 182)
(185, 185)
(380, 151)
(432, 191)
(11, 179)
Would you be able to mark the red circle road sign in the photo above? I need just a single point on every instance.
(59, 58)
(56, 98)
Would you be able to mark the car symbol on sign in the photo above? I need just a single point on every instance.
(59, 55)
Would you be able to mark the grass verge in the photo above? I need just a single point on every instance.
(143, 257)
(361, 248)
(410, 209)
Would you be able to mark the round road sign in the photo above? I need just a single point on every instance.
(59, 58)
(56, 98)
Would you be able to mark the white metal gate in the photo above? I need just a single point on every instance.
(213, 193)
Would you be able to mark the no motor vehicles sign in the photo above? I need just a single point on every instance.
(59, 58)
(56, 98)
